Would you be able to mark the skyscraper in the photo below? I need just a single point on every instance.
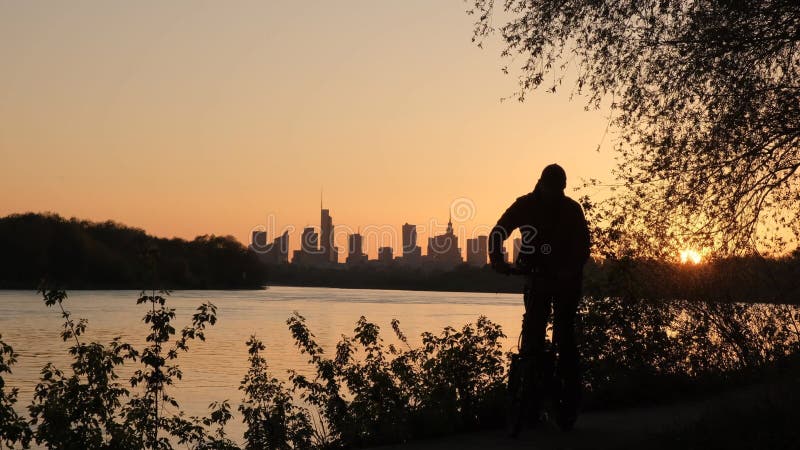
(258, 241)
(309, 240)
(309, 253)
(318, 249)
(329, 251)
(409, 237)
(443, 250)
(477, 251)
(276, 252)
(355, 249)
(517, 249)
(385, 255)
(412, 253)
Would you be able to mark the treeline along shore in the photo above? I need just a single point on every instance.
(735, 279)
(80, 254)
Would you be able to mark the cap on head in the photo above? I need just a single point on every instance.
(554, 177)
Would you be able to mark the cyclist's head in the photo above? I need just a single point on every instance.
(553, 181)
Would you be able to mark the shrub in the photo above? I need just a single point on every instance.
(369, 393)
(14, 430)
(273, 421)
(639, 351)
(88, 408)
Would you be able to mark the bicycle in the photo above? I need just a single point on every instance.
(533, 383)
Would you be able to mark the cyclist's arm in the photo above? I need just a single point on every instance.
(508, 222)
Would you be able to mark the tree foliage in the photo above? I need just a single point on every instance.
(14, 429)
(81, 254)
(144, 412)
(705, 95)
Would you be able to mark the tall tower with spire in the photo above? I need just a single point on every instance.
(329, 251)
(449, 224)
(443, 250)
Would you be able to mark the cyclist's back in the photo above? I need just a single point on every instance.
(554, 233)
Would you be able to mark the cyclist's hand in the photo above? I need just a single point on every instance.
(501, 267)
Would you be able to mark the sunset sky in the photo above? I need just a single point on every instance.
(188, 118)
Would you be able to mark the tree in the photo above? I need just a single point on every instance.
(705, 95)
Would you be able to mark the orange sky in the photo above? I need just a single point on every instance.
(187, 118)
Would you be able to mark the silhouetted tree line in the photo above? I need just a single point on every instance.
(461, 279)
(83, 254)
(748, 279)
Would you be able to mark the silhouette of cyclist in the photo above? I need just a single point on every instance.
(555, 247)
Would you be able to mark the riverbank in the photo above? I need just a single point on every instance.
(460, 279)
(735, 279)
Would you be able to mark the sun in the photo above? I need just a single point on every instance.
(690, 256)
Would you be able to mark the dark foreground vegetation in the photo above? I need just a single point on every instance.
(106, 255)
(375, 389)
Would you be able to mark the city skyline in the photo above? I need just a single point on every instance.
(317, 244)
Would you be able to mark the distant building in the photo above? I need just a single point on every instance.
(517, 249)
(443, 250)
(327, 248)
(309, 253)
(355, 249)
(275, 252)
(478, 251)
(309, 240)
(412, 253)
(258, 241)
(409, 238)
(385, 255)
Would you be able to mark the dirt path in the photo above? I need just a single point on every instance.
(601, 430)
